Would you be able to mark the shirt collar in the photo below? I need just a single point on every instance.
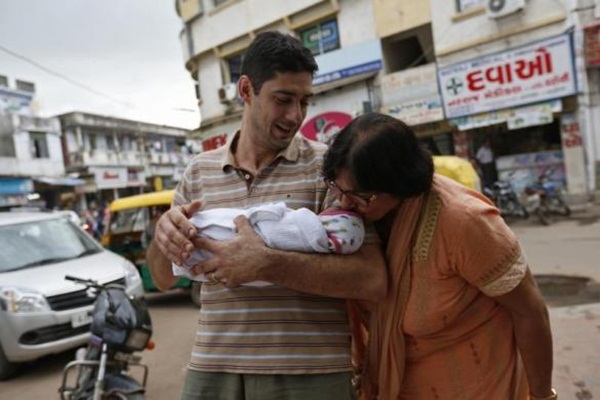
(290, 153)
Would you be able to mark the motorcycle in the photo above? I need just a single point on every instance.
(553, 194)
(535, 203)
(120, 326)
(504, 197)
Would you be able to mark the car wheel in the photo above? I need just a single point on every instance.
(7, 369)
(195, 293)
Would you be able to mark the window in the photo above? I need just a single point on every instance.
(322, 37)
(170, 144)
(126, 143)
(110, 142)
(92, 140)
(39, 145)
(465, 5)
(234, 66)
(7, 146)
(25, 86)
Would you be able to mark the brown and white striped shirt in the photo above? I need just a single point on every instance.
(265, 330)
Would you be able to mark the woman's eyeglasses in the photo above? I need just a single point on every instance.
(358, 198)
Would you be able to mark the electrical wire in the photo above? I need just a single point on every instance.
(79, 84)
(64, 77)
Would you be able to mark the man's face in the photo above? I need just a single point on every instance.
(278, 110)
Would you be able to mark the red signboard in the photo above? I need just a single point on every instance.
(323, 127)
(592, 45)
(214, 142)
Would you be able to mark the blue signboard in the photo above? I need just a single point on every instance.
(347, 72)
(15, 186)
(349, 61)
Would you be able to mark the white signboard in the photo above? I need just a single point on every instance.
(532, 73)
(515, 118)
(417, 112)
(410, 84)
(110, 178)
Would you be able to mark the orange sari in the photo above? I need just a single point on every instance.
(436, 335)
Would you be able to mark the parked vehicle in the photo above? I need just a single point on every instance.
(120, 327)
(535, 203)
(553, 194)
(130, 229)
(505, 198)
(40, 312)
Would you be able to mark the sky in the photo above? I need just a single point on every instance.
(121, 58)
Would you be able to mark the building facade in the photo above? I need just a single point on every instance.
(31, 159)
(459, 72)
(118, 157)
(515, 72)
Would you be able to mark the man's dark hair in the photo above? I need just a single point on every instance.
(381, 154)
(274, 52)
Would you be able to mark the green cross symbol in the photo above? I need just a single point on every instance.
(455, 86)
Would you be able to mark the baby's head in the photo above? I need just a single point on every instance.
(345, 230)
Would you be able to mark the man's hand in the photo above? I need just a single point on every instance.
(246, 258)
(174, 232)
(234, 261)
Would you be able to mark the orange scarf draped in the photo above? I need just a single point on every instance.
(379, 355)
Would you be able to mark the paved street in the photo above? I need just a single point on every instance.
(568, 247)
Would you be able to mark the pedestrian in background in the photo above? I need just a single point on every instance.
(463, 317)
(487, 163)
(291, 340)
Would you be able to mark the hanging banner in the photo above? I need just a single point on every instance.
(527, 74)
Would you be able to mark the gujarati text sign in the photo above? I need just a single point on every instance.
(532, 73)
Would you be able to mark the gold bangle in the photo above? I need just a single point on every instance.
(553, 396)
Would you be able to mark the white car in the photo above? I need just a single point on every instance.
(41, 313)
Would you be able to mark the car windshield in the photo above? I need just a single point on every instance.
(43, 242)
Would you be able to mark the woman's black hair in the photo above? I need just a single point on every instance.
(382, 154)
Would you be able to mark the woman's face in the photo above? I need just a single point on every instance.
(373, 206)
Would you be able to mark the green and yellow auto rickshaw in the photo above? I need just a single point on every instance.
(130, 229)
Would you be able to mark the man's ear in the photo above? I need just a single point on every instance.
(245, 89)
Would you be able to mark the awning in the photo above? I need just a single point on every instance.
(60, 181)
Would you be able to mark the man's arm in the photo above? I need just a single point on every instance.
(171, 244)
(246, 258)
(160, 268)
(360, 276)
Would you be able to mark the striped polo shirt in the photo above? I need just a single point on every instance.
(265, 330)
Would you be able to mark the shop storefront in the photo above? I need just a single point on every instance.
(523, 101)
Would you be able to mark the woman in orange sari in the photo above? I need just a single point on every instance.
(463, 317)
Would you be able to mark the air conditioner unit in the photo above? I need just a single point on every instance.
(228, 93)
(501, 8)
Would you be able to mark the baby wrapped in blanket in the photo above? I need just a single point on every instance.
(332, 231)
